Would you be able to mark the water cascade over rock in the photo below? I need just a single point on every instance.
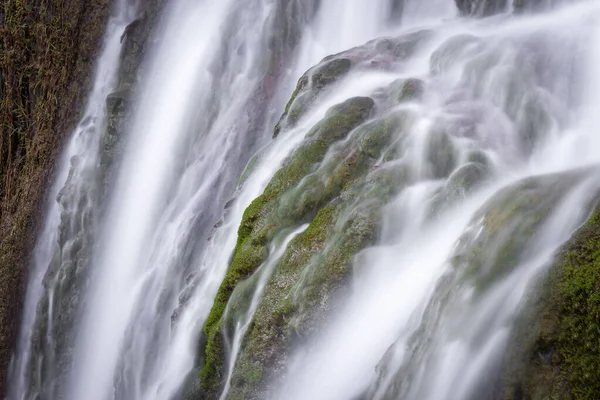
(300, 199)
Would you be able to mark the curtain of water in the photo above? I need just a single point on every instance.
(70, 216)
(448, 338)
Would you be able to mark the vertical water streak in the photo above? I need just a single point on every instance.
(33, 371)
(241, 326)
(148, 169)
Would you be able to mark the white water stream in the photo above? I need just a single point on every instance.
(69, 195)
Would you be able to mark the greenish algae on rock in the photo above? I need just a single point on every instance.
(338, 182)
(309, 86)
(260, 221)
(314, 268)
(510, 221)
(498, 239)
(555, 352)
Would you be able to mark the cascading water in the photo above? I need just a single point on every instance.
(448, 159)
(70, 217)
(451, 326)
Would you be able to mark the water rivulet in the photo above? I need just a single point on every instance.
(418, 221)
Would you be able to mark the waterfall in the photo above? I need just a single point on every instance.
(70, 215)
(448, 333)
(381, 236)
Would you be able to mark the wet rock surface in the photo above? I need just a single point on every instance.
(46, 60)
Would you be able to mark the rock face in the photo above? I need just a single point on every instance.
(556, 350)
(337, 181)
(553, 352)
(377, 54)
(490, 7)
(68, 272)
(481, 7)
(287, 200)
(47, 53)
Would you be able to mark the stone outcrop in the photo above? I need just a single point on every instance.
(47, 55)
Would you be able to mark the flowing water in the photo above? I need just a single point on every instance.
(123, 278)
(70, 216)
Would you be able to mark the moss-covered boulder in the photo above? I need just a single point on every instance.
(315, 267)
(500, 238)
(556, 345)
(383, 53)
(269, 213)
(337, 181)
(463, 182)
(510, 221)
(309, 86)
(407, 90)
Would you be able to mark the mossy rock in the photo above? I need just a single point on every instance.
(248, 169)
(479, 157)
(451, 52)
(464, 181)
(407, 45)
(440, 154)
(269, 214)
(337, 182)
(330, 72)
(407, 90)
(510, 221)
(309, 86)
(310, 276)
(556, 352)
(499, 237)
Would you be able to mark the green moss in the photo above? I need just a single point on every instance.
(247, 170)
(479, 157)
(330, 71)
(511, 220)
(329, 181)
(301, 85)
(336, 125)
(574, 304)
(268, 214)
(555, 350)
(379, 133)
(314, 267)
(405, 90)
(308, 88)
